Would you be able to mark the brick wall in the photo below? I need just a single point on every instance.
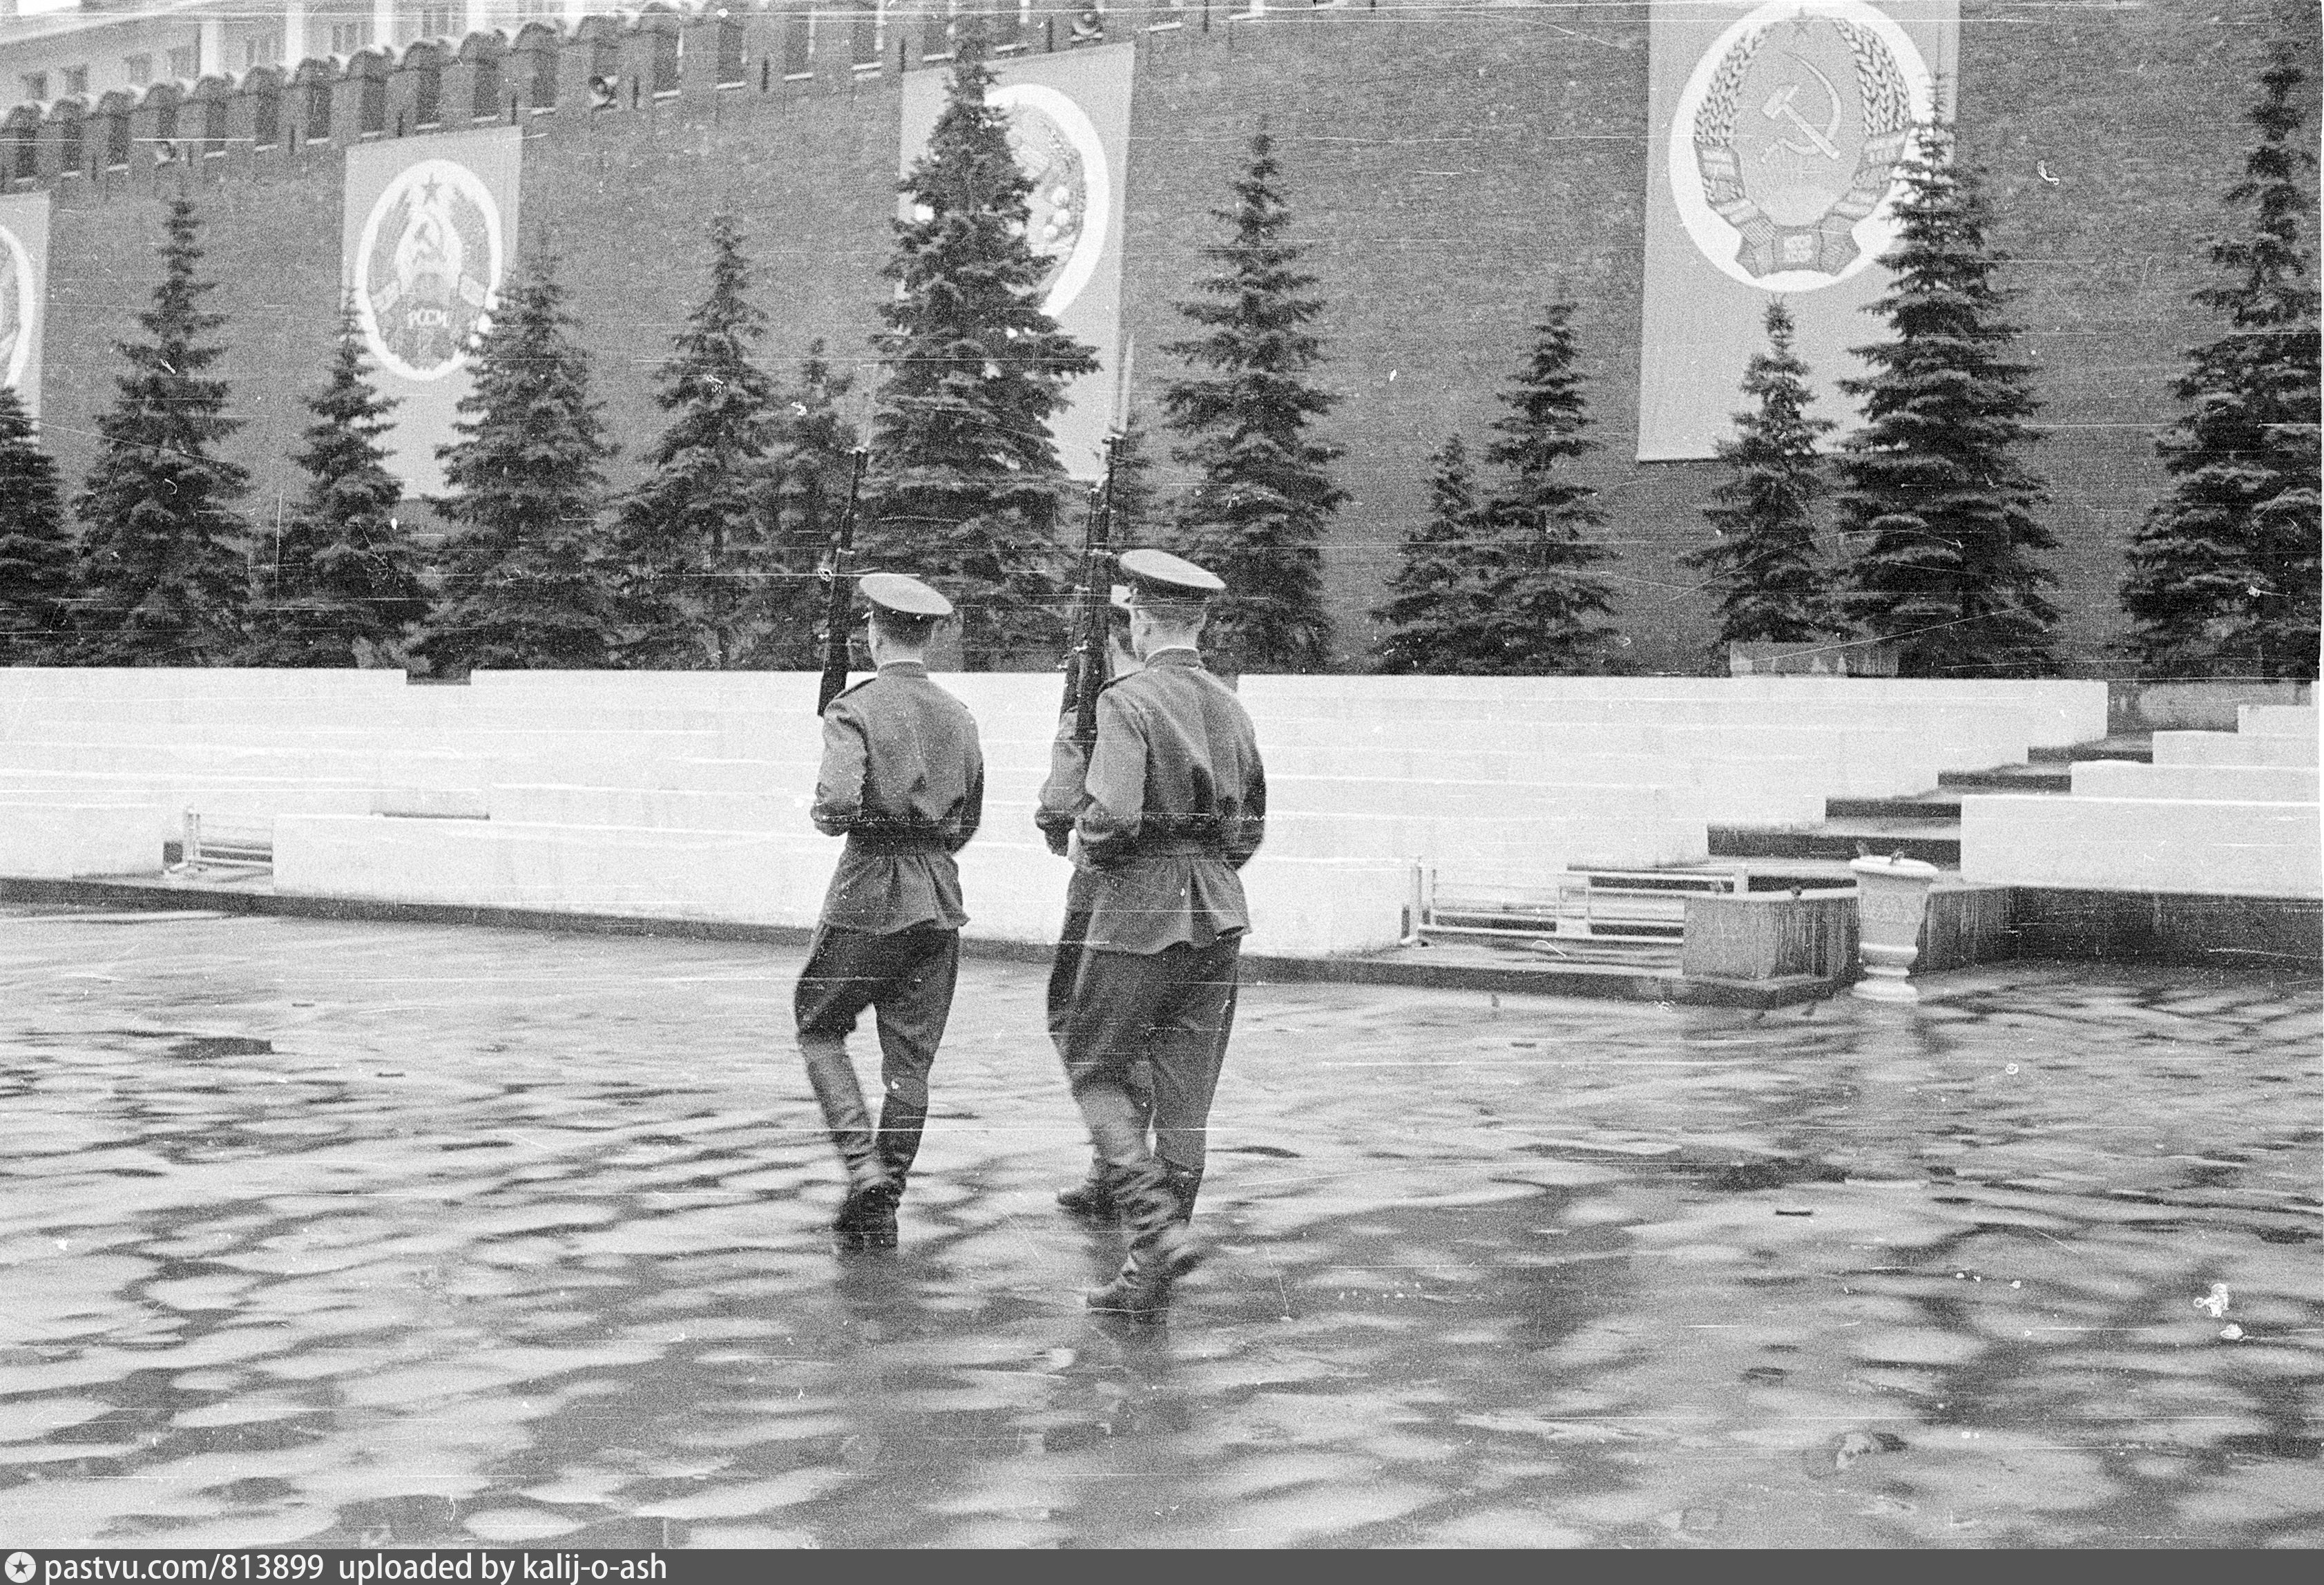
(1451, 170)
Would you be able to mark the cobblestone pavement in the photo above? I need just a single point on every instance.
(365, 1235)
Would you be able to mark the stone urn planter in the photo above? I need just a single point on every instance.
(1892, 897)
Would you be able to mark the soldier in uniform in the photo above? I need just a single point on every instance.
(1173, 804)
(1091, 1200)
(902, 779)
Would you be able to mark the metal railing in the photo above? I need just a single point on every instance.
(215, 844)
(1640, 906)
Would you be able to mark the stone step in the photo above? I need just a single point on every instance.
(2015, 778)
(1931, 841)
(1944, 804)
(2129, 745)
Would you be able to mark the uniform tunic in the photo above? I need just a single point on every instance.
(903, 780)
(1173, 804)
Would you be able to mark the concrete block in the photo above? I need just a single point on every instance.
(2045, 712)
(1523, 852)
(1967, 925)
(2142, 844)
(1734, 792)
(2268, 933)
(769, 778)
(2223, 748)
(431, 803)
(2251, 784)
(1639, 804)
(1299, 908)
(1770, 936)
(744, 877)
(1013, 887)
(666, 808)
(2195, 707)
(2297, 720)
(52, 842)
(1324, 908)
(370, 764)
(231, 798)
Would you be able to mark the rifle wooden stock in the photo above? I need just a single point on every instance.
(1080, 653)
(834, 575)
(1086, 674)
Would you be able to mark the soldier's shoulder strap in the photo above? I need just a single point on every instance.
(851, 689)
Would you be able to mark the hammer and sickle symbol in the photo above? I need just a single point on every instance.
(1779, 107)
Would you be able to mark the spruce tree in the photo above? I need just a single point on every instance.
(812, 460)
(1435, 618)
(694, 540)
(967, 485)
(527, 582)
(2224, 572)
(162, 574)
(1772, 588)
(343, 584)
(1933, 491)
(36, 548)
(1537, 542)
(1257, 512)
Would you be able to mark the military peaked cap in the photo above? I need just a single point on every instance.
(894, 591)
(1161, 575)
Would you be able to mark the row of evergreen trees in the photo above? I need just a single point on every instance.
(710, 561)
(1931, 496)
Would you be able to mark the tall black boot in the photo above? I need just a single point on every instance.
(1161, 1250)
(901, 1127)
(1091, 1201)
(1184, 1183)
(870, 1186)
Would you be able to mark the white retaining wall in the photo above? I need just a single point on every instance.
(2287, 749)
(2238, 784)
(686, 794)
(58, 842)
(2231, 814)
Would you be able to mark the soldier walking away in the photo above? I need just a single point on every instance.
(1091, 1199)
(903, 780)
(1175, 803)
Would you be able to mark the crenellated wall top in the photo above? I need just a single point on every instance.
(629, 60)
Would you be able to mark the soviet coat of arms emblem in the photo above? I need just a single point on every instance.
(426, 267)
(1058, 150)
(1790, 136)
(16, 288)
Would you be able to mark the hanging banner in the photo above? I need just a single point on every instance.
(1777, 132)
(24, 293)
(1069, 127)
(428, 237)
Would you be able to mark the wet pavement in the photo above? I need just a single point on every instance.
(399, 1235)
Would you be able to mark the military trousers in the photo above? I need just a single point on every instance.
(1173, 1010)
(1073, 946)
(906, 977)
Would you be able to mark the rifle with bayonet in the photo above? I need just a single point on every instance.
(1085, 663)
(838, 590)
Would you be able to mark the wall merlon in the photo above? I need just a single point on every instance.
(706, 35)
(748, 46)
(460, 82)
